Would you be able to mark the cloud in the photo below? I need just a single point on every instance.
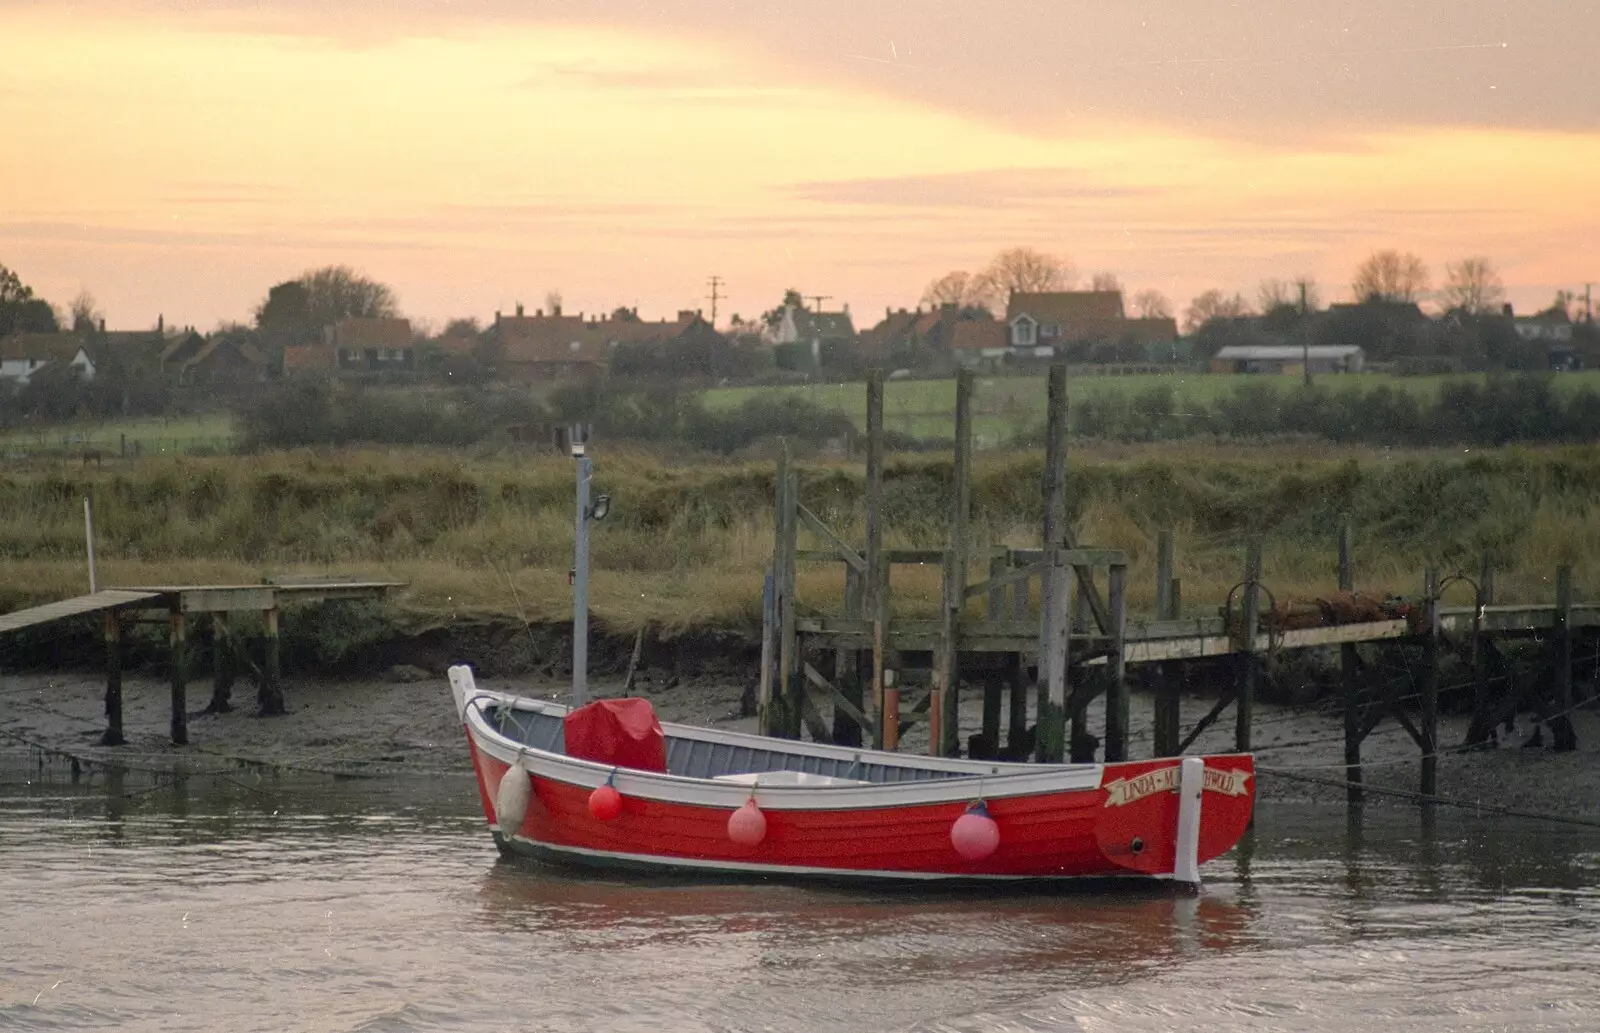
(1263, 69)
(990, 188)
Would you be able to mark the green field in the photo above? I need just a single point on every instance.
(1003, 407)
(210, 432)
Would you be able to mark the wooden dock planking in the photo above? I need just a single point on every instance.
(109, 599)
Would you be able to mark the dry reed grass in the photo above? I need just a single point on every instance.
(490, 536)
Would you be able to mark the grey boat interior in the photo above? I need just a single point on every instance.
(707, 758)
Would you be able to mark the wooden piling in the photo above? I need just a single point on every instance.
(1244, 710)
(769, 636)
(1167, 716)
(1016, 671)
(846, 732)
(946, 704)
(1054, 630)
(994, 681)
(1430, 685)
(271, 695)
(178, 656)
(790, 683)
(875, 599)
(113, 637)
(1117, 686)
(1563, 645)
(222, 665)
(1349, 680)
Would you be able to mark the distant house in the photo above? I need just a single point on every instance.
(1041, 323)
(225, 359)
(303, 359)
(932, 331)
(800, 329)
(1552, 326)
(1288, 358)
(371, 344)
(22, 355)
(178, 351)
(980, 343)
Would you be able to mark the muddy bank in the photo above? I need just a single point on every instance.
(393, 726)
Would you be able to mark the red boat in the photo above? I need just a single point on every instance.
(607, 785)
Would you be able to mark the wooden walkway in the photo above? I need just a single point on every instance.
(183, 604)
(1062, 610)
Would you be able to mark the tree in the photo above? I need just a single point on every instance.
(85, 318)
(552, 302)
(1026, 271)
(321, 297)
(1213, 304)
(468, 327)
(1472, 285)
(1105, 281)
(1390, 276)
(20, 311)
(773, 317)
(1273, 293)
(953, 288)
(1152, 304)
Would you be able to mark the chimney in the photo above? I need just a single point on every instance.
(496, 317)
(1506, 310)
(555, 309)
(846, 308)
(519, 310)
(538, 313)
(161, 324)
(102, 326)
(684, 315)
(887, 311)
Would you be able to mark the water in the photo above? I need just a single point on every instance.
(381, 906)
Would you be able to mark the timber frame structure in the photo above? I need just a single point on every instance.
(1081, 641)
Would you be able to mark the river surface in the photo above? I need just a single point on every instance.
(135, 903)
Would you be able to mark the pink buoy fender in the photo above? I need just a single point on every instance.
(975, 835)
(605, 802)
(747, 826)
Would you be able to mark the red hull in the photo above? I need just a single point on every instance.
(1127, 825)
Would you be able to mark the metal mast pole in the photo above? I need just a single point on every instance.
(580, 589)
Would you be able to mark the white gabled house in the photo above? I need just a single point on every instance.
(23, 355)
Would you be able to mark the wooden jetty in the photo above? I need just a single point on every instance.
(178, 606)
(1082, 641)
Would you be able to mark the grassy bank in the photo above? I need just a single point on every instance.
(687, 542)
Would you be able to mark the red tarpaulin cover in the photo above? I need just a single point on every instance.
(621, 732)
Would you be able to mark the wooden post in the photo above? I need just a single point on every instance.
(994, 681)
(1117, 688)
(113, 635)
(946, 703)
(769, 634)
(179, 660)
(1349, 681)
(222, 665)
(1486, 578)
(1054, 630)
(1051, 729)
(790, 683)
(846, 732)
(1430, 686)
(1016, 673)
(1563, 643)
(1244, 711)
(875, 601)
(271, 695)
(1166, 732)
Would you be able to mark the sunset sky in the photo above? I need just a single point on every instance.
(180, 156)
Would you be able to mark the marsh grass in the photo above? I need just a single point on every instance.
(490, 536)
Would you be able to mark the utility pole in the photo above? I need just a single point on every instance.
(1588, 304)
(1305, 336)
(716, 284)
(818, 298)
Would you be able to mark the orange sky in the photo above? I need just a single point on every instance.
(179, 163)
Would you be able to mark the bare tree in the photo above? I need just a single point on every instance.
(1306, 293)
(1105, 281)
(83, 314)
(467, 327)
(1214, 304)
(1472, 285)
(1564, 303)
(1390, 275)
(1152, 304)
(953, 288)
(1275, 293)
(1026, 271)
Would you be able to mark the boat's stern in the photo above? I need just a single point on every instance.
(1167, 817)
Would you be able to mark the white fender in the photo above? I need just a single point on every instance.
(511, 799)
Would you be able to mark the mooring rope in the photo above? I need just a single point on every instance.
(1443, 801)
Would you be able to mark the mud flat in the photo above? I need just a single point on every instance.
(406, 723)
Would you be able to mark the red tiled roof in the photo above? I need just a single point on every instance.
(305, 357)
(362, 332)
(977, 334)
(43, 347)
